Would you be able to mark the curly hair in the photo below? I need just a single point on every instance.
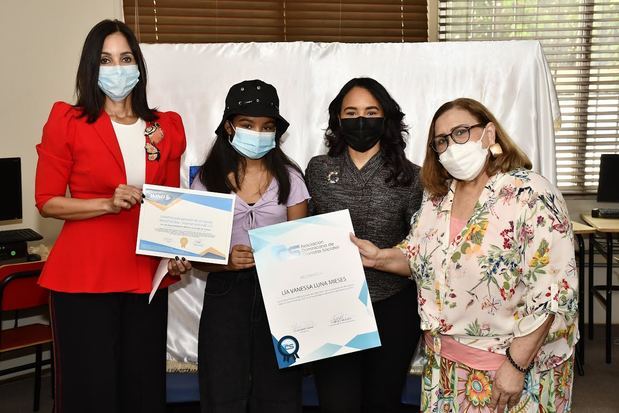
(392, 142)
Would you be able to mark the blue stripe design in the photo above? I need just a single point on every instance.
(156, 247)
(224, 204)
(364, 294)
(364, 341)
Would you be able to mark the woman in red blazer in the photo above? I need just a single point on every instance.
(109, 343)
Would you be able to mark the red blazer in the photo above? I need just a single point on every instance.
(98, 254)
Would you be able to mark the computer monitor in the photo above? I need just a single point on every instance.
(608, 182)
(10, 175)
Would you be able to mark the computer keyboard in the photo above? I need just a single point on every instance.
(19, 235)
(605, 213)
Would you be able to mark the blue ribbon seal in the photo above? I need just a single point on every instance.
(288, 347)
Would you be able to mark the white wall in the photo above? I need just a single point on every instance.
(40, 47)
(40, 44)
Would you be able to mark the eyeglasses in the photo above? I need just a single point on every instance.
(459, 134)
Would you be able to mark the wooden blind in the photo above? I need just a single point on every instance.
(208, 21)
(581, 42)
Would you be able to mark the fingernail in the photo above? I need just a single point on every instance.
(143, 196)
(183, 259)
(142, 201)
(176, 258)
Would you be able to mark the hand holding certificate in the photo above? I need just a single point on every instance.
(184, 222)
(314, 288)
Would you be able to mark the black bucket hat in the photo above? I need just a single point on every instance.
(253, 98)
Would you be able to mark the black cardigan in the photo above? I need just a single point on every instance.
(380, 212)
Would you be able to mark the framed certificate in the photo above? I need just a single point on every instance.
(314, 288)
(185, 222)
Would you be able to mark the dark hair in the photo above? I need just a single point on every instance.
(223, 159)
(434, 176)
(392, 143)
(90, 98)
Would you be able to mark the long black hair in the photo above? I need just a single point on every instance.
(392, 143)
(90, 98)
(223, 159)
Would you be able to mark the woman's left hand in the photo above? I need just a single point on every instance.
(178, 266)
(506, 388)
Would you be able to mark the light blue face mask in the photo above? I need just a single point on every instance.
(117, 82)
(252, 144)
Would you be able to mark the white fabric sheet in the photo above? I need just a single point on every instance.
(511, 78)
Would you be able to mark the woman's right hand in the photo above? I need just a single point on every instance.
(241, 257)
(369, 252)
(125, 197)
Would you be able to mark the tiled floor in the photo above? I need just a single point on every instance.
(596, 392)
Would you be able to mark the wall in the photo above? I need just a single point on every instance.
(41, 42)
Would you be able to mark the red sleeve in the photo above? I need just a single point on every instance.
(179, 142)
(55, 154)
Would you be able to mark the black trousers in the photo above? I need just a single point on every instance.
(237, 368)
(110, 352)
(373, 380)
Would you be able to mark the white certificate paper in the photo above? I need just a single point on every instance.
(314, 289)
(185, 223)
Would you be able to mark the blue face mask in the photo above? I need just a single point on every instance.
(117, 82)
(252, 144)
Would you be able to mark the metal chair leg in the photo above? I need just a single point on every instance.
(609, 296)
(590, 292)
(37, 377)
(52, 371)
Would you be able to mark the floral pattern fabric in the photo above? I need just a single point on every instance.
(510, 267)
(449, 386)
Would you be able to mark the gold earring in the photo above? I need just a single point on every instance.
(496, 150)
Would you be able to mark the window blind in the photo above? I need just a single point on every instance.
(203, 21)
(581, 41)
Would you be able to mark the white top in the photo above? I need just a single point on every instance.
(131, 141)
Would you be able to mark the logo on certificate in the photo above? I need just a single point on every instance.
(285, 252)
(288, 347)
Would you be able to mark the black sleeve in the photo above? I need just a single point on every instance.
(416, 195)
(310, 181)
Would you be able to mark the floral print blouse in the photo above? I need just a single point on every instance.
(511, 266)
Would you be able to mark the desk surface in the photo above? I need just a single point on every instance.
(601, 224)
(582, 228)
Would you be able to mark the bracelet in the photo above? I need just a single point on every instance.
(523, 370)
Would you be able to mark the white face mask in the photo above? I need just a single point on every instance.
(465, 162)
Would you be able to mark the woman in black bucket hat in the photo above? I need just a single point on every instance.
(237, 367)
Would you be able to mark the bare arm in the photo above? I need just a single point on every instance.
(508, 381)
(62, 207)
(297, 211)
(387, 259)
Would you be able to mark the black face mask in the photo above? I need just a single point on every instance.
(361, 133)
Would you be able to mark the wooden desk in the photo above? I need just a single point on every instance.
(580, 230)
(607, 228)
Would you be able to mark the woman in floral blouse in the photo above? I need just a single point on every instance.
(491, 249)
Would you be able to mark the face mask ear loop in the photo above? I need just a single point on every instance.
(230, 136)
(481, 139)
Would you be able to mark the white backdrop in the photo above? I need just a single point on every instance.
(511, 78)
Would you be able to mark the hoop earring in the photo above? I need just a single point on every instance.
(495, 150)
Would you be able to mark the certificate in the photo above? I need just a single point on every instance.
(184, 222)
(314, 289)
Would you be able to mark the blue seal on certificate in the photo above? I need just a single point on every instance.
(288, 347)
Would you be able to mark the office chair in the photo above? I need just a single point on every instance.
(19, 291)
